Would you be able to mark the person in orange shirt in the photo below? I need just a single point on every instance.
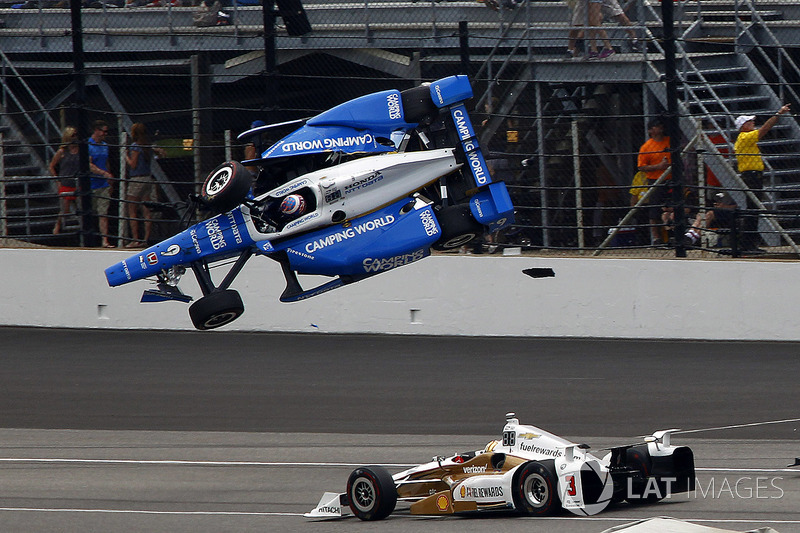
(654, 159)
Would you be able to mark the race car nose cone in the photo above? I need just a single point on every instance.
(119, 273)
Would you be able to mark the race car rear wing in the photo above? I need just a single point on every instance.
(662, 461)
(451, 92)
(369, 123)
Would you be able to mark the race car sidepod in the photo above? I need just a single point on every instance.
(375, 242)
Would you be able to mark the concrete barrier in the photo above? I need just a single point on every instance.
(441, 295)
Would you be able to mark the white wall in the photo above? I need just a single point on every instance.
(450, 295)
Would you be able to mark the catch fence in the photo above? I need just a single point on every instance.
(562, 132)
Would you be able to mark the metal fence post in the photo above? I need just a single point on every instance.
(545, 217)
(463, 43)
(122, 227)
(3, 225)
(576, 160)
(196, 120)
(84, 181)
(673, 126)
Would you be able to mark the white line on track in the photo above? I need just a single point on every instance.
(189, 463)
(715, 469)
(633, 519)
(141, 511)
(144, 462)
(267, 514)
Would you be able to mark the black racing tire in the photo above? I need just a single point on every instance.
(638, 460)
(371, 493)
(418, 105)
(216, 309)
(226, 187)
(458, 227)
(534, 488)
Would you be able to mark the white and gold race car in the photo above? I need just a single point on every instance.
(529, 470)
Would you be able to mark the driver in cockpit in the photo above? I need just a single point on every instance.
(274, 216)
(292, 207)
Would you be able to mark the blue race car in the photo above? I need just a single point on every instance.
(367, 186)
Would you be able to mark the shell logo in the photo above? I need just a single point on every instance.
(442, 502)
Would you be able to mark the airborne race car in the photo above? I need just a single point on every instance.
(365, 187)
(529, 471)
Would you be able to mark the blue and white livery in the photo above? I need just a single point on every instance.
(367, 202)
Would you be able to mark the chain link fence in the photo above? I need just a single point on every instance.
(563, 94)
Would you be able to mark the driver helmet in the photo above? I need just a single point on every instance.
(293, 205)
(491, 446)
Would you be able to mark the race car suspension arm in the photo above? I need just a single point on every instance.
(203, 275)
(294, 291)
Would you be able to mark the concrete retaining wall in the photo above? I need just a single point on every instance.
(441, 295)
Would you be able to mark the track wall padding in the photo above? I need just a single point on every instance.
(440, 295)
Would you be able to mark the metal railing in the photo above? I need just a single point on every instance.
(34, 115)
(691, 97)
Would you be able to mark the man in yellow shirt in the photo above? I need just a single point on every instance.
(751, 167)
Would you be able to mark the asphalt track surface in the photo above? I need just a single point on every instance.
(164, 431)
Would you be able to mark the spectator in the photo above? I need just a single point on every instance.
(574, 33)
(722, 213)
(139, 159)
(101, 188)
(495, 5)
(637, 190)
(596, 10)
(212, 15)
(654, 158)
(594, 18)
(751, 167)
(489, 107)
(638, 187)
(65, 166)
(612, 9)
(596, 21)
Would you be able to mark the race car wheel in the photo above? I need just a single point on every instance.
(458, 227)
(535, 488)
(641, 488)
(371, 493)
(216, 309)
(226, 187)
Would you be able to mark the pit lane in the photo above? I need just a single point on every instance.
(123, 431)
